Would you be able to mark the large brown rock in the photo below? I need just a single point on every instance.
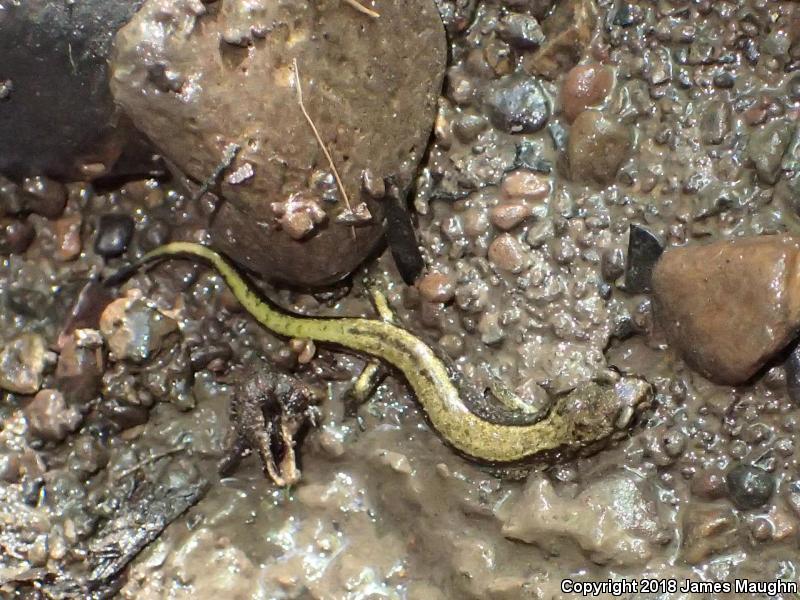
(197, 77)
(729, 306)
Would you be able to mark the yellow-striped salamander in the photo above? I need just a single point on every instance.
(484, 432)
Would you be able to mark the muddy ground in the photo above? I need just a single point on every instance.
(523, 206)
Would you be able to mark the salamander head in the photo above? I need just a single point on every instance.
(600, 412)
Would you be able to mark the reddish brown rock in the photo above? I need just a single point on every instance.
(508, 254)
(525, 185)
(80, 366)
(508, 215)
(68, 237)
(729, 306)
(49, 417)
(585, 86)
(436, 287)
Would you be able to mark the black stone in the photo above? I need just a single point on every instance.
(124, 416)
(749, 487)
(517, 104)
(644, 250)
(113, 235)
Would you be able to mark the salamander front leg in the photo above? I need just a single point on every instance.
(512, 401)
(374, 372)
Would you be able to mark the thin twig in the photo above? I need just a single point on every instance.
(147, 461)
(363, 9)
(319, 140)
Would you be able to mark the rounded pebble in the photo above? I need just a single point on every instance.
(749, 487)
(114, 233)
(15, 236)
(436, 287)
(585, 86)
(507, 253)
(517, 104)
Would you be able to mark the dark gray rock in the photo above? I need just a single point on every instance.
(644, 250)
(517, 104)
(114, 233)
(749, 487)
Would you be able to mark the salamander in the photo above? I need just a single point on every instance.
(485, 432)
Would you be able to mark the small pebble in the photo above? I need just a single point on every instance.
(612, 264)
(436, 287)
(517, 104)
(508, 254)
(49, 417)
(585, 86)
(44, 196)
(68, 237)
(155, 234)
(525, 185)
(9, 466)
(521, 30)
(674, 444)
(709, 485)
(15, 236)
(508, 216)
(598, 145)
(749, 487)
(299, 215)
(373, 185)
(793, 88)
(114, 233)
(724, 80)
(124, 416)
(490, 329)
(22, 364)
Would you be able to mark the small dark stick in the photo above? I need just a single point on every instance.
(400, 235)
